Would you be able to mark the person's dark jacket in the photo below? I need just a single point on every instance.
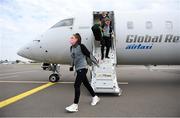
(97, 32)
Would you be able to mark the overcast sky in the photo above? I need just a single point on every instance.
(23, 20)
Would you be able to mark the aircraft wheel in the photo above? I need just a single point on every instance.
(54, 78)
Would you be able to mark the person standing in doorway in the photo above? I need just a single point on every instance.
(106, 42)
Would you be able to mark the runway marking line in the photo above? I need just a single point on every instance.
(15, 73)
(23, 95)
(8, 77)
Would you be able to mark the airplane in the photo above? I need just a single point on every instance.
(140, 38)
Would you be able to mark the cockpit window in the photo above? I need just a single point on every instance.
(63, 23)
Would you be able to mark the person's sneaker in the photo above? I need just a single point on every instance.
(72, 108)
(95, 100)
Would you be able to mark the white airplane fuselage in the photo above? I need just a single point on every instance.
(141, 38)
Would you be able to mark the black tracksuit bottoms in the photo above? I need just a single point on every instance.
(82, 78)
(105, 42)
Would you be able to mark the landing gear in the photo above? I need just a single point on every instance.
(55, 77)
(45, 66)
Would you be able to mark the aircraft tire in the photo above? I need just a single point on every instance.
(54, 78)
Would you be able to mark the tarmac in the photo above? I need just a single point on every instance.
(147, 92)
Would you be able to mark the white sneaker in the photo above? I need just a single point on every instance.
(95, 100)
(72, 108)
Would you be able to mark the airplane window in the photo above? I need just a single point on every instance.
(169, 25)
(148, 25)
(130, 25)
(63, 23)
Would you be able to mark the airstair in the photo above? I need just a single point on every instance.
(104, 77)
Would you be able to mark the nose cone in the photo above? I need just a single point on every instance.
(20, 52)
(24, 52)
